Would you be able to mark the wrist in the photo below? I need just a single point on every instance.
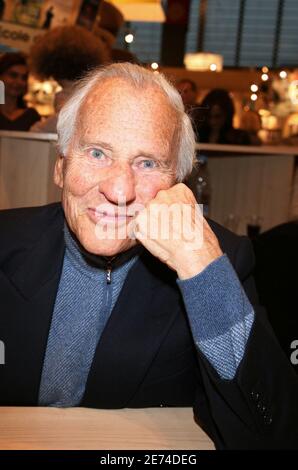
(195, 264)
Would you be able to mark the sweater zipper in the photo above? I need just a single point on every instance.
(109, 270)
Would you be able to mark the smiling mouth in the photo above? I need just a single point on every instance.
(109, 217)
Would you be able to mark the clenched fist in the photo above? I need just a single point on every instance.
(174, 230)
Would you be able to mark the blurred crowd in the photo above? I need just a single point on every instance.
(62, 54)
(213, 117)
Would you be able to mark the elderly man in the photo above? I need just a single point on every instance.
(97, 310)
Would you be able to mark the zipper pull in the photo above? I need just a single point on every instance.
(109, 273)
(109, 269)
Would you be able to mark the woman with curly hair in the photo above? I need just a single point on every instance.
(14, 114)
(65, 53)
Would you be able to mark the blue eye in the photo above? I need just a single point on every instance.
(96, 153)
(148, 164)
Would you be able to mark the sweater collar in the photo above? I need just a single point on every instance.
(90, 261)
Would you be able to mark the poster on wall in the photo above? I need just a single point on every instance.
(44, 14)
(17, 37)
(23, 21)
(59, 13)
(26, 12)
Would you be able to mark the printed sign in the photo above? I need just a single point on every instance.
(18, 36)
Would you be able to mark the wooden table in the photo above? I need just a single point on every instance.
(83, 428)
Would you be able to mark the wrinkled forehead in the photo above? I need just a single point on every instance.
(116, 100)
(114, 93)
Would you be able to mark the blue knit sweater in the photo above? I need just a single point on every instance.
(83, 305)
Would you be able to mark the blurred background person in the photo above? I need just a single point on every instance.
(216, 126)
(65, 53)
(14, 113)
(189, 93)
(199, 179)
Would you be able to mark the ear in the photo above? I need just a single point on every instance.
(59, 171)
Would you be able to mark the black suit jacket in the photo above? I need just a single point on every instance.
(276, 274)
(146, 356)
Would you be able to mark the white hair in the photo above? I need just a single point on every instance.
(138, 77)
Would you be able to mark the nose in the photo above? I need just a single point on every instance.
(119, 185)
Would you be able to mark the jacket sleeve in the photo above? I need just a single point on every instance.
(220, 315)
(258, 408)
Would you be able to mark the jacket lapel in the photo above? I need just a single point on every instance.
(27, 296)
(143, 314)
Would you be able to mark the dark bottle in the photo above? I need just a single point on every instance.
(199, 183)
(202, 187)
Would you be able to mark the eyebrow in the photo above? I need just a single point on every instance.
(105, 145)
